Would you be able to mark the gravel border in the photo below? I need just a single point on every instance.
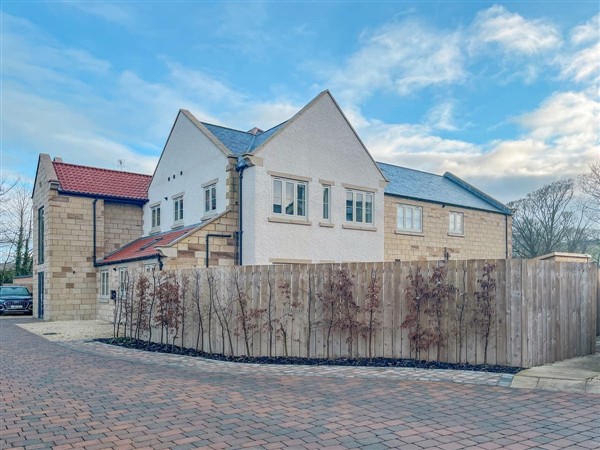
(69, 330)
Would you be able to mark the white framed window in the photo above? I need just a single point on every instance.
(326, 203)
(155, 216)
(359, 206)
(457, 223)
(122, 282)
(289, 197)
(104, 284)
(149, 268)
(210, 198)
(409, 218)
(178, 208)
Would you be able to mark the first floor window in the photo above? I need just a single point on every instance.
(456, 223)
(149, 268)
(210, 198)
(359, 206)
(289, 197)
(156, 217)
(178, 208)
(409, 218)
(104, 283)
(326, 202)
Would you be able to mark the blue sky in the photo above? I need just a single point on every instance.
(503, 94)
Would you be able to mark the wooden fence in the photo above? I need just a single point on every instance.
(542, 311)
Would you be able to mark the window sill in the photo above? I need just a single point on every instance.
(208, 216)
(459, 235)
(155, 230)
(410, 233)
(326, 224)
(177, 224)
(103, 300)
(291, 221)
(358, 227)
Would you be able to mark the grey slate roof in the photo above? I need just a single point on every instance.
(240, 142)
(445, 189)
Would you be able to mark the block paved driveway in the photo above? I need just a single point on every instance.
(55, 396)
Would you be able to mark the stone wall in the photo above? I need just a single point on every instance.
(484, 234)
(69, 274)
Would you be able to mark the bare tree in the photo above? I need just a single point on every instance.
(15, 228)
(548, 220)
(589, 183)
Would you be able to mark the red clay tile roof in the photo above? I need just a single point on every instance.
(145, 247)
(75, 179)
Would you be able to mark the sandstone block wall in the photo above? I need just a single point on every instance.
(484, 234)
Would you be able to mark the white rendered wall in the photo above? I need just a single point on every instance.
(319, 144)
(189, 151)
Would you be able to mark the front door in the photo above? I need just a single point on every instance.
(40, 292)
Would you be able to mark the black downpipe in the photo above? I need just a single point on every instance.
(506, 235)
(208, 236)
(94, 231)
(240, 168)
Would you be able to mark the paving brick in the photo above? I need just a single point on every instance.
(79, 398)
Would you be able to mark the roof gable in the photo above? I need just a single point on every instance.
(97, 182)
(445, 189)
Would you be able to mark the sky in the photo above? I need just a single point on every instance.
(502, 94)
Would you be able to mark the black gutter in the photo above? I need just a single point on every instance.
(208, 236)
(139, 258)
(437, 202)
(130, 201)
(94, 232)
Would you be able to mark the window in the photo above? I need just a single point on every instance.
(359, 206)
(289, 197)
(409, 218)
(326, 201)
(457, 225)
(156, 217)
(41, 235)
(178, 209)
(104, 283)
(122, 282)
(210, 198)
(149, 268)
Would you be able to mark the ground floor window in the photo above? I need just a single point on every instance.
(104, 283)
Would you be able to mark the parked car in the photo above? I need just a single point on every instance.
(15, 299)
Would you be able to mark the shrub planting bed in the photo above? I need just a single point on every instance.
(365, 362)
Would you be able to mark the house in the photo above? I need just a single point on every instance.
(304, 191)
(80, 214)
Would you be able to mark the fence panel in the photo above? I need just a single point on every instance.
(542, 311)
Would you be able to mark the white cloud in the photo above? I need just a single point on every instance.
(402, 58)
(441, 116)
(113, 12)
(513, 33)
(587, 32)
(559, 139)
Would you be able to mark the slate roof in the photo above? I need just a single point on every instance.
(145, 247)
(93, 181)
(240, 142)
(445, 189)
